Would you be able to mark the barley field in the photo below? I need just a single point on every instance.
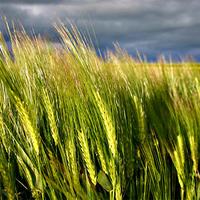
(74, 125)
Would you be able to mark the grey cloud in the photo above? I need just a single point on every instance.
(147, 25)
(30, 1)
(46, 2)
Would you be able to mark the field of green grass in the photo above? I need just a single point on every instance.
(77, 126)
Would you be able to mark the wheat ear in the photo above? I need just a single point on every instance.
(25, 119)
(51, 117)
(86, 155)
(107, 120)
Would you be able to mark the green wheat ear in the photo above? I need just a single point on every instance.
(101, 156)
(194, 151)
(27, 124)
(86, 155)
(107, 120)
(3, 136)
(5, 175)
(72, 160)
(51, 117)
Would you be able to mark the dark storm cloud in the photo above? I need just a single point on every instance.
(151, 26)
(31, 1)
(45, 1)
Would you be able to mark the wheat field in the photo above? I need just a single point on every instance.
(74, 125)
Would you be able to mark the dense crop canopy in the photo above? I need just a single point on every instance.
(77, 126)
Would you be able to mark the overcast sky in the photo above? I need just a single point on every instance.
(150, 26)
